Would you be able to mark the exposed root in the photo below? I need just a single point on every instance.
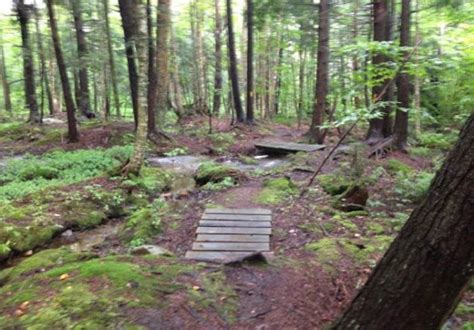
(382, 148)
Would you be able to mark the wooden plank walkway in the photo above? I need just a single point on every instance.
(287, 147)
(227, 234)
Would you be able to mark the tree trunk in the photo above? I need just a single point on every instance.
(322, 74)
(130, 30)
(216, 104)
(133, 14)
(400, 130)
(152, 74)
(4, 77)
(82, 52)
(417, 82)
(71, 119)
(380, 21)
(421, 277)
(113, 74)
(279, 79)
(176, 83)
(390, 94)
(163, 23)
(24, 12)
(234, 76)
(250, 87)
(44, 72)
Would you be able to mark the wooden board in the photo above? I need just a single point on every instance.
(213, 246)
(234, 231)
(216, 256)
(287, 147)
(226, 234)
(227, 223)
(233, 238)
(236, 217)
(238, 211)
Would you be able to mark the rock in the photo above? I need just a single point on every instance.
(28, 253)
(67, 234)
(150, 249)
(353, 199)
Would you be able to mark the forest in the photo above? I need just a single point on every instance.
(237, 164)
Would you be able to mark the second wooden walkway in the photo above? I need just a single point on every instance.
(226, 234)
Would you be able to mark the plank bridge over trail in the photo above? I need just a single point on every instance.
(230, 234)
(287, 147)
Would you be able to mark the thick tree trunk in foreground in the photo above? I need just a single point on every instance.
(113, 74)
(322, 74)
(135, 17)
(71, 119)
(162, 45)
(24, 13)
(234, 76)
(84, 98)
(250, 89)
(422, 276)
(400, 131)
(129, 30)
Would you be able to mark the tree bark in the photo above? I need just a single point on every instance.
(380, 21)
(163, 24)
(82, 52)
(44, 73)
(234, 76)
(422, 276)
(216, 104)
(250, 82)
(24, 14)
(152, 74)
(176, 83)
(71, 119)
(322, 74)
(130, 31)
(400, 130)
(417, 80)
(5, 84)
(113, 74)
(133, 13)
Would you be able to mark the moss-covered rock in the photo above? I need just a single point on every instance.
(276, 190)
(144, 223)
(213, 172)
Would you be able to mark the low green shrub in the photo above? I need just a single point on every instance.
(22, 177)
(413, 186)
(437, 140)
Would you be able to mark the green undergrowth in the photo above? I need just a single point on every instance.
(35, 135)
(329, 250)
(276, 190)
(61, 289)
(145, 223)
(442, 141)
(33, 173)
(152, 180)
(413, 186)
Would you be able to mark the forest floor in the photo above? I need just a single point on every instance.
(70, 228)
